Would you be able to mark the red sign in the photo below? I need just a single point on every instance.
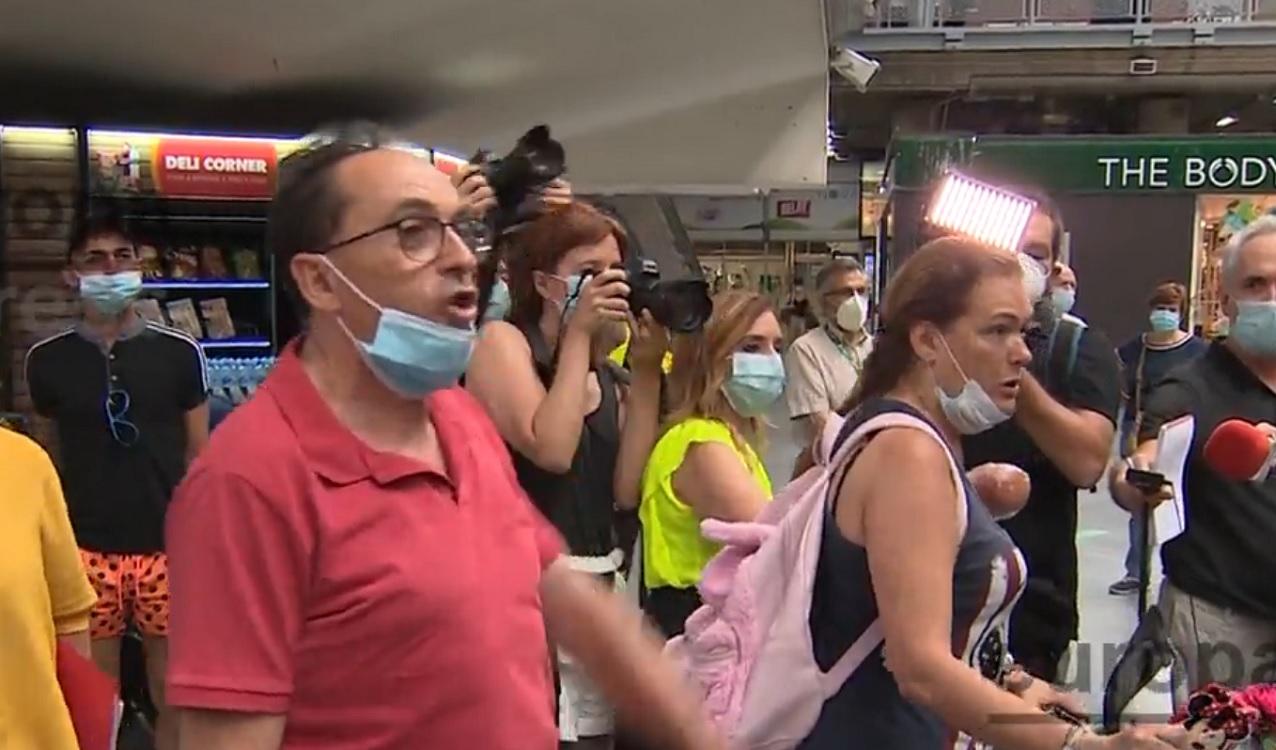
(214, 168)
(793, 209)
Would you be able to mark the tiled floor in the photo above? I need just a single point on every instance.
(1106, 620)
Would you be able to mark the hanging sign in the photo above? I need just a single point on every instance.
(214, 168)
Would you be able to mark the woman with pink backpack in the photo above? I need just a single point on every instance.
(911, 553)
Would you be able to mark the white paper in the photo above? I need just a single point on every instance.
(1172, 446)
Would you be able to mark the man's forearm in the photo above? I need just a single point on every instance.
(622, 655)
(1076, 442)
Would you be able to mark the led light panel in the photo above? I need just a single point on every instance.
(980, 211)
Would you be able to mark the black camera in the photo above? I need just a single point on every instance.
(681, 305)
(535, 161)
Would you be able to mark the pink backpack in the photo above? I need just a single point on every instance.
(748, 648)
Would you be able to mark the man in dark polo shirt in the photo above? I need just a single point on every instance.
(1061, 435)
(126, 401)
(1219, 594)
(354, 564)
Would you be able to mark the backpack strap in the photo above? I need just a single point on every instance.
(872, 637)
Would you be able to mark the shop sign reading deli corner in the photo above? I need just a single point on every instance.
(1189, 172)
(214, 168)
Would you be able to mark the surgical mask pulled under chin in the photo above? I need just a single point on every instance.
(1254, 329)
(1034, 278)
(110, 293)
(756, 382)
(972, 410)
(411, 355)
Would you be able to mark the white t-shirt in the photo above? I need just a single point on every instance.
(821, 373)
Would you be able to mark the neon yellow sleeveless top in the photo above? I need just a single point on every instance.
(673, 551)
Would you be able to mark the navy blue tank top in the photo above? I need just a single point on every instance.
(988, 576)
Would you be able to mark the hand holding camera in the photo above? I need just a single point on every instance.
(477, 197)
(601, 299)
(648, 343)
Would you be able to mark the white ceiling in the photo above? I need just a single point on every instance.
(643, 92)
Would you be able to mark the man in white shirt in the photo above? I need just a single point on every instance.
(825, 363)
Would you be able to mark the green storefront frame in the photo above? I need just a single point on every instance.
(1093, 164)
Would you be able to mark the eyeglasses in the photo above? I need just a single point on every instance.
(123, 430)
(421, 239)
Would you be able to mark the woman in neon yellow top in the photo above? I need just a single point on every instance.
(706, 463)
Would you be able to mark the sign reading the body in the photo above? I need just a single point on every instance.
(214, 168)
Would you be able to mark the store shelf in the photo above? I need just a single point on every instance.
(193, 219)
(206, 284)
(236, 343)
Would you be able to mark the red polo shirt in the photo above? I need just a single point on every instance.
(376, 601)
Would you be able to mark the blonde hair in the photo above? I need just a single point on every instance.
(702, 361)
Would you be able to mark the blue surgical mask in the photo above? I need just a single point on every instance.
(1063, 299)
(411, 355)
(972, 410)
(1254, 329)
(574, 283)
(756, 382)
(111, 293)
(1163, 320)
(498, 305)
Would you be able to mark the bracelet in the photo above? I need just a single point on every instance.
(1075, 733)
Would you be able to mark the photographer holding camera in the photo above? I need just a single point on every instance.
(580, 434)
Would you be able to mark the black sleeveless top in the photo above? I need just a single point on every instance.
(581, 502)
(988, 577)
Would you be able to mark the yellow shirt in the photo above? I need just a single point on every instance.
(44, 593)
(673, 551)
(618, 355)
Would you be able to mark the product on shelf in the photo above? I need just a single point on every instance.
(212, 264)
(182, 313)
(150, 309)
(183, 263)
(217, 315)
(149, 258)
(247, 264)
(235, 379)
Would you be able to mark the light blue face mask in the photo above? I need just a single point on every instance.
(575, 283)
(498, 305)
(111, 293)
(1063, 299)
(756, 382)
(1163, 320)
(1254, 329)
(410, 355)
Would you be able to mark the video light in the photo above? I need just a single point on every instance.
(985, 213)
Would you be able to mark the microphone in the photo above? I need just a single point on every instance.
(1240, 451)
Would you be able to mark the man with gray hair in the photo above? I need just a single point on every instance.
(824, 364)
(1218, 598)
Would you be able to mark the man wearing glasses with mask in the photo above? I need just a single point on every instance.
(354, 562)
(125, 401)
(825, 363)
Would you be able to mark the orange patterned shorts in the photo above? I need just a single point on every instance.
(129, 587)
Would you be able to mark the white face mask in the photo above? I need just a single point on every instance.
(851, 314)
(972, 410)
(1034, 278)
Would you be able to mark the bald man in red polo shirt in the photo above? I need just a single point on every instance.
(353, 564)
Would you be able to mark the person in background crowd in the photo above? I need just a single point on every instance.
(45, 596)
(706, 463)
(1146, 359)
(353, 560)
(127, 401)
(825, 363)
(940, 583)
(1217, 596)
(579, 434)
(1061, 435)
(1063, 288)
